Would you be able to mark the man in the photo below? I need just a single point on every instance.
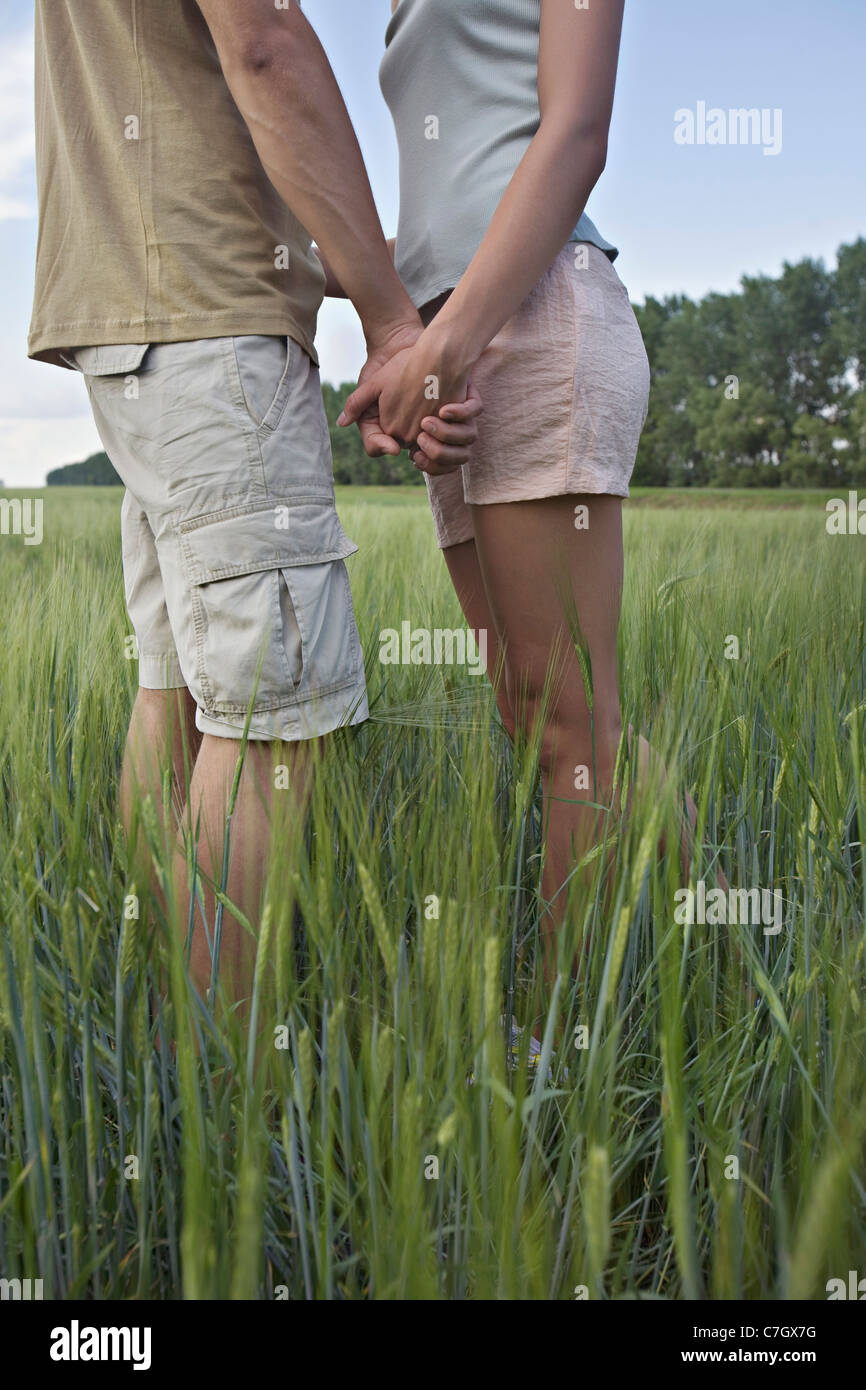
(186, 152)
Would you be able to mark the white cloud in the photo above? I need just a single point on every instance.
(30, 448)
(13, 209)
(17, 147)
(34, 389)
(340, 342)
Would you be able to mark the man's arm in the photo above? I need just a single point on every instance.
(282, 83)
(333, 288)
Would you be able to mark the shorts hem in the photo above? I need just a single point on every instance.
(159, 673)
(445, 539)
(593, 486)
(310, 719)
(589, 486)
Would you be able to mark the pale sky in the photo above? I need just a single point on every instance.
(687, 218)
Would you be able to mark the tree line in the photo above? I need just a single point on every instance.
(760, 387)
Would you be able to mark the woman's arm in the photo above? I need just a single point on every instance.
(577, 62)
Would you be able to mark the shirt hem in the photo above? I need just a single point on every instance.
(420, 298)
(48, 344)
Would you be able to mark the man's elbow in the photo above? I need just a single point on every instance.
(257, 57)
(256, 42)
(262, 54)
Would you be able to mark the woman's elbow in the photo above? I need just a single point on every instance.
(580, 144)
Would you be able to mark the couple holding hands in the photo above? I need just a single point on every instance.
(200, 189)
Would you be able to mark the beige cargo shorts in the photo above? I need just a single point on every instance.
(233, 553)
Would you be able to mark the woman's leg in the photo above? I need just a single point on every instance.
(595, 571)
(531, 579)
(465, 571)
(552, 587)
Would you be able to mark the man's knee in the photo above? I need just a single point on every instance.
(163, 705)
(268, 763)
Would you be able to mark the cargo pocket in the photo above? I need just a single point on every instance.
(271, 606)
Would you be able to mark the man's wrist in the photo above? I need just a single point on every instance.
(382, 324)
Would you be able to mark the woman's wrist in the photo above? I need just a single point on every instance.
(451, 343)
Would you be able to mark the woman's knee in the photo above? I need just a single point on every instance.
(569, 734)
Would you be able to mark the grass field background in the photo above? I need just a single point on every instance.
(346, 1156)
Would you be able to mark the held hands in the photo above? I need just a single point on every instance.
(396, 405)
(445, 442)
(380, 351)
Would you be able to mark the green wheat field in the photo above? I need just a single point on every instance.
(360, 1136)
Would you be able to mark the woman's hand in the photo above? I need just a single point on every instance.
(445, 442)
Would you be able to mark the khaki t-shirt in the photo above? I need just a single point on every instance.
(157, 221)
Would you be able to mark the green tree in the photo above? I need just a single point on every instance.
(761, 386)
(95, 471)
(351, 464)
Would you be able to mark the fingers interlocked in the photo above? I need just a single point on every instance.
(445, 442)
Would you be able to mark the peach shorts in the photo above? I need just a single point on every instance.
(565, 385)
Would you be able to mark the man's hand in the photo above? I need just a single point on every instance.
(411, 388)
(445, 442)
(380, 352)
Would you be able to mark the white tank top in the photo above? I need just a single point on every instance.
(461, 80)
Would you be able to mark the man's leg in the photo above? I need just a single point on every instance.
(243, 876)
(162, 733)
(236, 587)
(163, 736)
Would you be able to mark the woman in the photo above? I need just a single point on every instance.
(502, 110)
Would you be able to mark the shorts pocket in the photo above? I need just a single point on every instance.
(264, 367)
(116, 359)
(271, 606)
